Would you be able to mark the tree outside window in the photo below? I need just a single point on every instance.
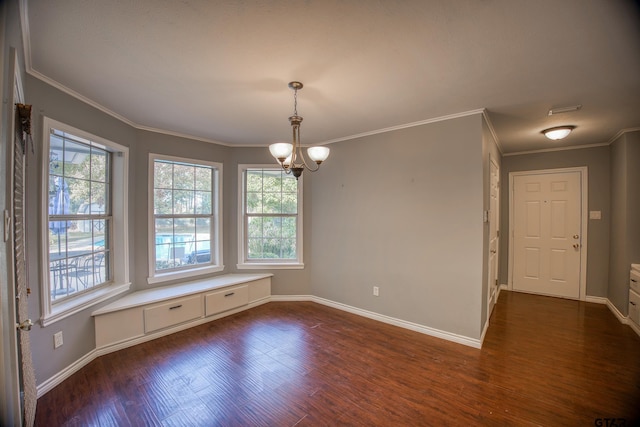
(79, 215)
(185, 215)
(271, 217)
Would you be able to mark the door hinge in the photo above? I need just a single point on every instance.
(497, 233)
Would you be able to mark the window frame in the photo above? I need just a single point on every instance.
(119, 251)
(215, 244)
(276, 263)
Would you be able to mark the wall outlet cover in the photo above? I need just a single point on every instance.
(57, 339)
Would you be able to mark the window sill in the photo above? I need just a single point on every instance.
(270, 266)
(177, 275)
(76, 305)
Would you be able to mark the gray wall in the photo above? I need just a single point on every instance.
(625, 217)
(597, 161)
(79, 334)
(403, 211)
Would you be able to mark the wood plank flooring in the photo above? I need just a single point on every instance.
(545, 361)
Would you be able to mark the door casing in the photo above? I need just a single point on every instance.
(494, 222)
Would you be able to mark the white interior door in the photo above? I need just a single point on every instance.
(494, 233)
(547, 224)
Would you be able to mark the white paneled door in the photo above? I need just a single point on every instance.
(547, 215)
(494, 233)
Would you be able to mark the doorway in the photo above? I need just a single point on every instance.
(547, 236)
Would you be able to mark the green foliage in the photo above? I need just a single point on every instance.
(85, 170)
(181, 189)
(271, 207)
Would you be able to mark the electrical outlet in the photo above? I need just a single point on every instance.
(376, 291)
(57, 339)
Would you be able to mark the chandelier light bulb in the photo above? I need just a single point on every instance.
(318, 154)
(281, 150)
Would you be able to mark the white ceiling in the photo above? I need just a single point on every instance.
(218, 70)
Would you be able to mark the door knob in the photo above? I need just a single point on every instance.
(575, 236)
(576, 246)
(25, 326)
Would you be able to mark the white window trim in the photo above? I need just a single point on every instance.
(243, 264)
(51, 313)
(155, 277)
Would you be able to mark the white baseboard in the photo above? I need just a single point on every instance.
(602, 300)
(460, 339)
(486, 328)
(596, 300)
(58, 378)
(280, 298)
(635, 327)
(621, 317)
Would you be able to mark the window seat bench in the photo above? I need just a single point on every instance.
(151, 313)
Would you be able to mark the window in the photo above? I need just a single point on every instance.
(271, 216)
(83, 223)
(185, 233)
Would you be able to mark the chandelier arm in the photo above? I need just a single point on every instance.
(297, 151)
(304, 162)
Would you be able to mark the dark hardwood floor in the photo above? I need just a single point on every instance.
(545, 361)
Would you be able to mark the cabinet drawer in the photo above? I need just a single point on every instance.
(634, 281)
(217, 302)
(634, 307)
(172, 313)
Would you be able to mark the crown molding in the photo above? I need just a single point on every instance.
(548, 150)
(622, 132)
(485, 114)
(404, 126)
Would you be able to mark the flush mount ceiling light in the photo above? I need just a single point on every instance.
(558, 132)
(290, 156)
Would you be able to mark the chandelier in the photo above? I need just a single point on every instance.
(290, 156)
